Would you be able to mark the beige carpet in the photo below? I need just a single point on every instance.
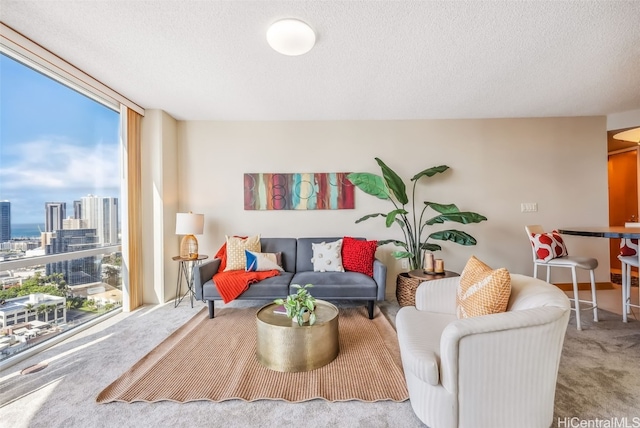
(214, 359)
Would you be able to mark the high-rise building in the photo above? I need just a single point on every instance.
(102, 214)
(75, 223)
(54, 213)
(76, 271)
(5, 221)
(77, 209)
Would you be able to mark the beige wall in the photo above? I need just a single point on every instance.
(160, 203)
(559, 163)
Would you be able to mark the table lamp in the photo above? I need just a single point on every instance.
(189, 224)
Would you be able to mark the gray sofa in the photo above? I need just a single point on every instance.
(298, 269)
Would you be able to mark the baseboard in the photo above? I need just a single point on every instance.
(586, 286)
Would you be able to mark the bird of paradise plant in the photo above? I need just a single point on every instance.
(391, 187)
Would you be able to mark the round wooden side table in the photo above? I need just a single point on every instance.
(407, 283)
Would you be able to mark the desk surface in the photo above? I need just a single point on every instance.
(603, 232)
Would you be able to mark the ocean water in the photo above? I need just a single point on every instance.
(26, 230)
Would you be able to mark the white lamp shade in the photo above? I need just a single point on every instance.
(189, 224)
(291, 37)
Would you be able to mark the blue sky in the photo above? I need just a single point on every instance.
(56, 145)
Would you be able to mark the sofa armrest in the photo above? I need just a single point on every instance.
(438, 295)
(202, 274)
(380, 277)
(423, 364)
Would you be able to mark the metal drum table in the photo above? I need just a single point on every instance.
(285, 347)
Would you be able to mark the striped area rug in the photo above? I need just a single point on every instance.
(215, 359)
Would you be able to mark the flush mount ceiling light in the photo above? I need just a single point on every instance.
(291, 37)
(629, 135)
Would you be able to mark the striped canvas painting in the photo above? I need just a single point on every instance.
(302, 191)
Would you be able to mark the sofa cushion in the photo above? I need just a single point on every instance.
(337, 285)
(286, 246)
(358, 255)
(482, 290)
(327, 256)
(236, 259)
(270, 288)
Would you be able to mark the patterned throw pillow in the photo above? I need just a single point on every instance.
(628, 247)
(236, 259)
(548, 245)
(358, 255)
(482, 290)
(259, 262)
(327, 256)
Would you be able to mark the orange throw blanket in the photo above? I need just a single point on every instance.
(233, 283)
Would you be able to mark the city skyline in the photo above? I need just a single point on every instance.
(55, 144)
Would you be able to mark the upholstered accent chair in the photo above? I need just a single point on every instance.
(497, 370)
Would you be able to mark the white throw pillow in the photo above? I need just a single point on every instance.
(327, 256)
(260, 262)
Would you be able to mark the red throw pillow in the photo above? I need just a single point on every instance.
(358, 255)
(548, 245)
(628, 247)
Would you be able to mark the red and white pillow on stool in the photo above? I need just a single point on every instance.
(628, 247)
(548, 246)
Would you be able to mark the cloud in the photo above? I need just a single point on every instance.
(55, 169)
(57, 163)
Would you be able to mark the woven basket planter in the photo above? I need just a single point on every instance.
(406, 289)
(406, 285)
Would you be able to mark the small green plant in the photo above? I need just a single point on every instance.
(299, 305)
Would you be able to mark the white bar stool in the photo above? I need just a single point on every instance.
(587, 263)
(627, 263)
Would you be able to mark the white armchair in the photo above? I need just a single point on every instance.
(490, 371)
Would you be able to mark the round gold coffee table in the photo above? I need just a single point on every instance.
(285, 347)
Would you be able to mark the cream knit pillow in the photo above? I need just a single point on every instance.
(236, 259)
(482, 290)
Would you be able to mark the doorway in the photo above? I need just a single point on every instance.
(623, 197)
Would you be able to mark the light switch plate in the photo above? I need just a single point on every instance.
(528, 207)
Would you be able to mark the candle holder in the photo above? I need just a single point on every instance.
(428, 262)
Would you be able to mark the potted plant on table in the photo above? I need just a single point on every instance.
(413, 224)
(300, 307)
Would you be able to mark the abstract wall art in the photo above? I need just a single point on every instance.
(302, 191)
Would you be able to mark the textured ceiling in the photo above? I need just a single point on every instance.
(209, 60)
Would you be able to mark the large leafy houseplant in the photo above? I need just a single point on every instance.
(413, 223)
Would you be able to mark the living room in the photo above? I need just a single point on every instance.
(527, 125)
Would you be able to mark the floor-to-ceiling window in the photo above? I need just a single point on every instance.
(60, 216)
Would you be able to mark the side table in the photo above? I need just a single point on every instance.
(407, 284)
(185, 273)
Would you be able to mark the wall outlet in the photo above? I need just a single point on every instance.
(404, 263)
(528, 207)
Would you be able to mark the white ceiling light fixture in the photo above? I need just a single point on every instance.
(629, 135)
(291, 37)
